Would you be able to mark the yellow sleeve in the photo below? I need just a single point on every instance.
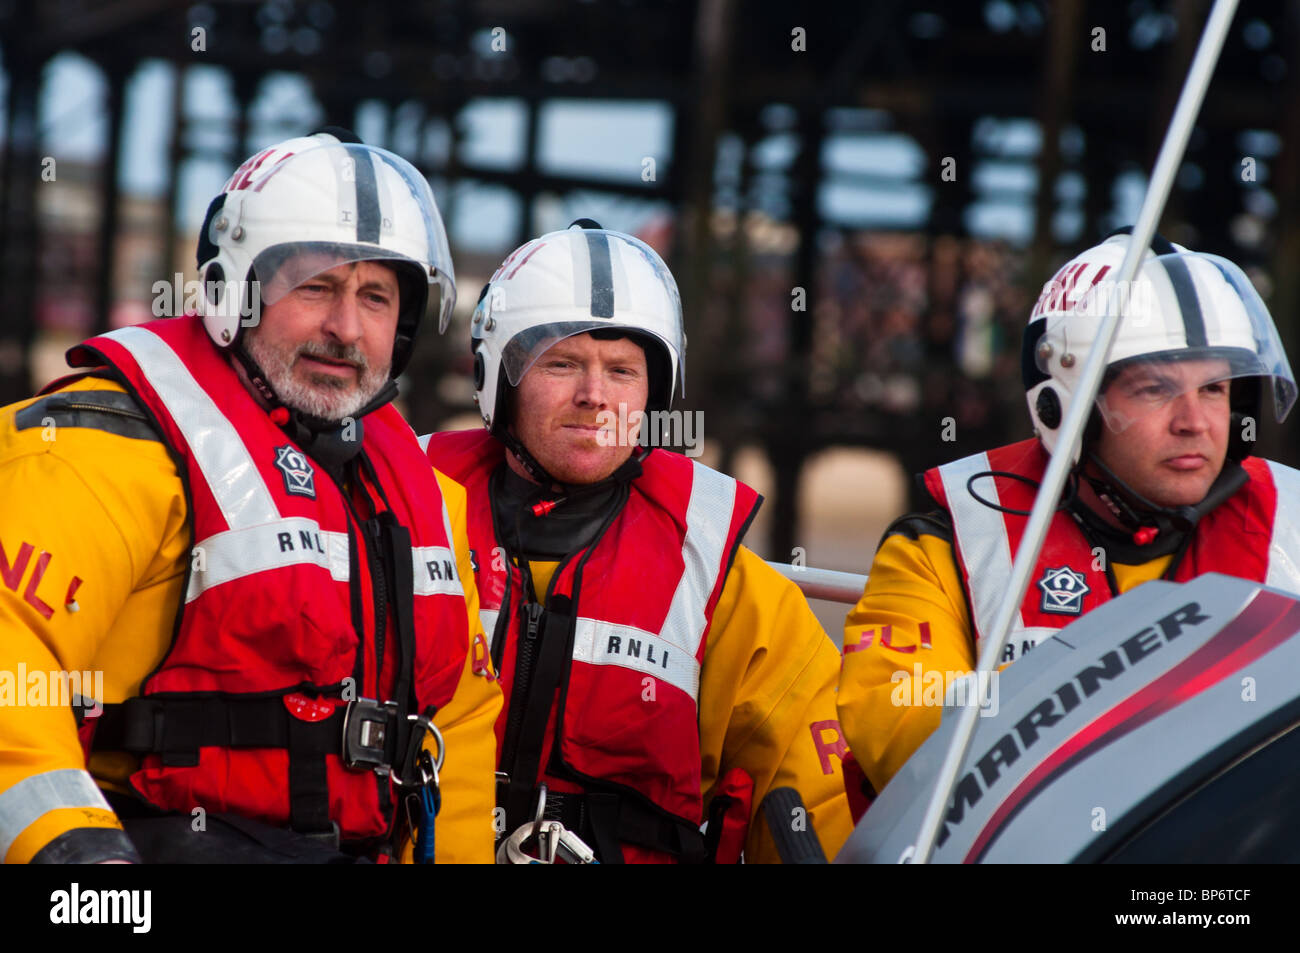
(81, 520)
(767, 703)
(464, 832)
(912, 581)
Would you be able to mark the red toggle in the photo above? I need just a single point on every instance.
(280, 416)
(1145, 535)
(545, 506)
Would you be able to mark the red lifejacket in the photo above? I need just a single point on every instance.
(276, 631)
(639, 602)
(1255, 534)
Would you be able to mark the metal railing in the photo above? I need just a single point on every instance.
(829, 584)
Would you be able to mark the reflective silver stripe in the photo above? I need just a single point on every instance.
(489, 619)
(981, 536)
(216, 445)
(708, 517)
(426, 583)
(237, 553)
(604, 643)
(24, 803)
(446, 528)
(1284, 548)
(431, 572)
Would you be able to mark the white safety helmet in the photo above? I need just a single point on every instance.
(312, 203)
(567, 283)
(1183, 306)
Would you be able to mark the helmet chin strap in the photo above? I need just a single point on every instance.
(548, 498)
(1147, 520)
(531, 466)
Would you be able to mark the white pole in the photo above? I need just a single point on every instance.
(1171, 153)
(829, 584)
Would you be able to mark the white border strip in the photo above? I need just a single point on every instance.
(604, 643)
(708, 517)
(436, 581)
(1283, 571)
(981, 535)
(217, 446)
(235, 554)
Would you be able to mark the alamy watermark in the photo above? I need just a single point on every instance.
(936, 689)
(655, 428)
(128, 907)
(1069, 292)
(38, 689)
(227, 299)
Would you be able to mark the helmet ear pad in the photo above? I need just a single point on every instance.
(207, 249)
(214, 283)
(1048, 405)
(502, 405)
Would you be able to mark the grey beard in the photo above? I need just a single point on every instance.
(321, 396)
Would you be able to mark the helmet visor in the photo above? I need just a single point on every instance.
(1188, 391)
(523, 350)
(354, 203)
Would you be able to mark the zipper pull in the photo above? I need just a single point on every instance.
(533, 611)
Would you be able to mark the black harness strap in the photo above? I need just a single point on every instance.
(396, 554)
(309, 790)
(602, 816)
(175, 729)
(606, 820)
(552, 636)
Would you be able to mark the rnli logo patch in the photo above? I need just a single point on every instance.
(1063, 591)
(299, 477)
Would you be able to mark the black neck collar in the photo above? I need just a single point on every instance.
(536, 521)
(1148, 529)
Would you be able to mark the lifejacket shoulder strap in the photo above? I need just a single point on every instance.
(980, 531)
(108, 410)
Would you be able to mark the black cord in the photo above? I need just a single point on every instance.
(1071, 486)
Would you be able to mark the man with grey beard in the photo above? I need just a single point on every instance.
(333, 378)
(238, 529)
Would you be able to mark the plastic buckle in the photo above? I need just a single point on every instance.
(366, 727)
(329, 838)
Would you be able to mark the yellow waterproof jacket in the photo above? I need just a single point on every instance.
(914, 579)
(767, 701)
(80, 502)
